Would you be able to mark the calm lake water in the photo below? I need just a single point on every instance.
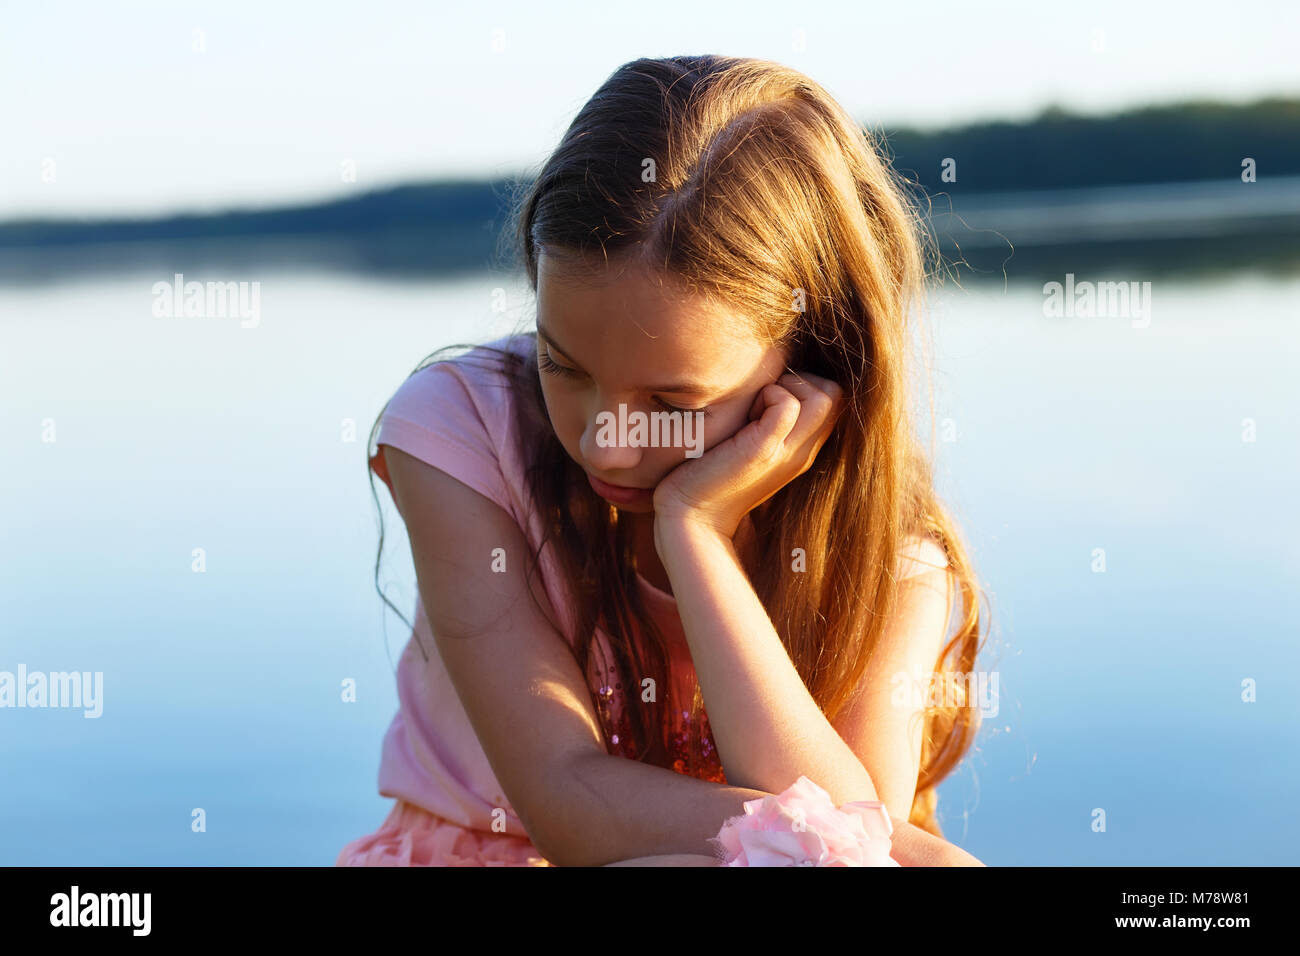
(1120, 690)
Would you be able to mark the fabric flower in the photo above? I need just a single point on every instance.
(802, 827)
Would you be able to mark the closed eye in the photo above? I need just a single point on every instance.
(552, 367)
(704, 410)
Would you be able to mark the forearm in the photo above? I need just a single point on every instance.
(766, 726)
(608, 809)
(605, 808)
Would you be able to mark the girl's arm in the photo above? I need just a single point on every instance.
(909, 845)
(766, 726)
(885, 732)
(530, 707)
(765, 723)
(525, 695)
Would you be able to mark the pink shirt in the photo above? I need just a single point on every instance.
(459, 418)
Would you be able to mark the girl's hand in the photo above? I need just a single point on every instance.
(789, 422)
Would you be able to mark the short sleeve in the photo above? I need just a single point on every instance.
(921, 554)
(441, 416)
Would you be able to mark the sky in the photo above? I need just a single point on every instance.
(147, 108)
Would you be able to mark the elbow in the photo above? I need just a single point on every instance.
(557, 823)
(550, 845)
(912, 846)
(956, 856)
(559, 852)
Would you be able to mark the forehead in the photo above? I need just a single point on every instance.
(628, 319)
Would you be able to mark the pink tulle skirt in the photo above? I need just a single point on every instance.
(411, 836)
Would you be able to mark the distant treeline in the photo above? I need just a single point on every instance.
(1187, 141)
(418, 229)
(454, 225)
(450, 206)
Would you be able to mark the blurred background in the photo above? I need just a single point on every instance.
(185, 501)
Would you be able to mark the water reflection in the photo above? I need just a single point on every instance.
(1120, 690)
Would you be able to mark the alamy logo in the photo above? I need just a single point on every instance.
(56, 689)
(1098, 300)
(208, 300)
(974, 690)
(655, 430)
(102, 909)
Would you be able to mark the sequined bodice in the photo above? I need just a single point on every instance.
(610, 700)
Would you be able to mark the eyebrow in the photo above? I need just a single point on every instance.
(677, 388)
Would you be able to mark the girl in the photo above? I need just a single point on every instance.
(714, 238)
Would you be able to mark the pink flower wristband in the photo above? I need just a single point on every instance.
(802, 827)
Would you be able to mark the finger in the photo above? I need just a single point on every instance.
(779, 413)
(820, 402)
(829, 386)
(812, 388)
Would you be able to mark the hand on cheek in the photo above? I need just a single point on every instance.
(785, 426)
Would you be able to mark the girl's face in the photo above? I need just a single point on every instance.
(626, 338)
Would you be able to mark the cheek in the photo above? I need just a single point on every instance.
(555, 408)
(565, 411)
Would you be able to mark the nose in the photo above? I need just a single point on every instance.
(604, 442)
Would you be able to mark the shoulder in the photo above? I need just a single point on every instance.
(476, 378)
(920, 554)
(457, 415)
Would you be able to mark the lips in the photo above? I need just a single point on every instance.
(620, 494)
